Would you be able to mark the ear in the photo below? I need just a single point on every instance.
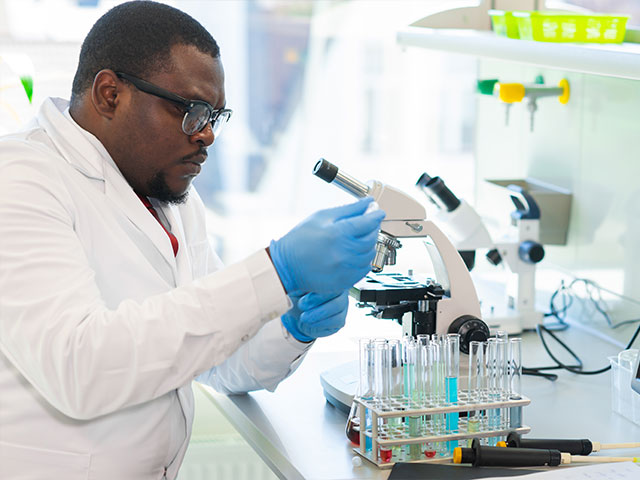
(106, 92)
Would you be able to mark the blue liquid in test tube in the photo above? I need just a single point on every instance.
(452, 370)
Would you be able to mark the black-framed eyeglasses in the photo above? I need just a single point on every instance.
(197, 112)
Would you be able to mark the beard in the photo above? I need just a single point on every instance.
(160, 191)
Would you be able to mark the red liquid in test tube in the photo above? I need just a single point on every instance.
(385, 454)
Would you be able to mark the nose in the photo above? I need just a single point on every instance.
(204, 136)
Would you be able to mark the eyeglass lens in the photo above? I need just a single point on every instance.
(196, 118)
(219, 122)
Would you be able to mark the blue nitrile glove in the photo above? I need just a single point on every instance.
(329, 251)
(316, 315)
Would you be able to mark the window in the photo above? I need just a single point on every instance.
(306, 79)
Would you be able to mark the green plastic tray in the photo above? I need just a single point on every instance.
(571, 27)
(504, 23)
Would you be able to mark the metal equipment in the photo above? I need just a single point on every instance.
(519, 249)
(448, 304)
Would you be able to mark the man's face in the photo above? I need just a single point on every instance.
(153, 153)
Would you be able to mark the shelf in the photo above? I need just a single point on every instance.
(612, 60)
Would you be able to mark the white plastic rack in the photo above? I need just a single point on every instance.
(394, 434)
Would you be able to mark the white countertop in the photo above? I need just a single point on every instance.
(299, 435)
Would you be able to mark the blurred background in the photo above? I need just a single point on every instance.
(306, 79)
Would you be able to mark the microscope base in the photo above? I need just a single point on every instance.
(511, 321)
(340, 384)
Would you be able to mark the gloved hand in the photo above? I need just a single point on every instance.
(316, 315)
(329, 251)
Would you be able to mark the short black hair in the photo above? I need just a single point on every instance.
(136, 38)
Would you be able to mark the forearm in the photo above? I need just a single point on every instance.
(262, 363)
(87, 360)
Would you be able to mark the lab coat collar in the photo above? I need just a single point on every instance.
(71, 140)
(84, 152)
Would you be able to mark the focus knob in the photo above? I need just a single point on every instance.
(470, 329)
(530, 251)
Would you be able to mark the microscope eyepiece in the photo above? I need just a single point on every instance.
(325, 170)
(423, 180)
(436, 190)
(328, 172)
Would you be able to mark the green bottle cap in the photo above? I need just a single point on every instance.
(27, 84)
(485, 87)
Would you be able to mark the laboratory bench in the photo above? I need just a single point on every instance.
(301, 436)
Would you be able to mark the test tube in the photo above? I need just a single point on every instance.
(397, 381)
(502, 335)
(382, 372)
(476, 379)
(503, 368)
(367, 376)
(502, 361)
(491, 361)
(515, 387)
(424, 376)
(395, 424)
(476, 371)
(452, 372)
(367, 388)
(382, 393)
(437, 392)
(409, 370)
(452, 367)
(412, 393)
(422, 369)
(436, 381)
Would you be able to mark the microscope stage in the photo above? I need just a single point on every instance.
(393, 288)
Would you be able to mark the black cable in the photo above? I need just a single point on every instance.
(571, 368)
(564, 294)
(538, 371)
(597, 302)
(626, 322)
(535, 372)
(568, 297)
(559, 313)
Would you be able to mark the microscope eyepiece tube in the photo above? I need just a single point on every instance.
(436, 190)
(328, 172)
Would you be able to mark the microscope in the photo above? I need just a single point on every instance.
(519, 250)
(446, 304)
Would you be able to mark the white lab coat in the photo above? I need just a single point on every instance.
(102, 330)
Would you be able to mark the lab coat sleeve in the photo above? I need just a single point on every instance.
(88, 360)
(271, 356)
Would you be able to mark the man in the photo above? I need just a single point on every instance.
(111, 300)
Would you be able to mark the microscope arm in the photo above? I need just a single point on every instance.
(450, 270)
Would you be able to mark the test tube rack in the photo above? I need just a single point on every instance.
(391, 435)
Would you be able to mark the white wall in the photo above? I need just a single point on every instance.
(590, 146)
